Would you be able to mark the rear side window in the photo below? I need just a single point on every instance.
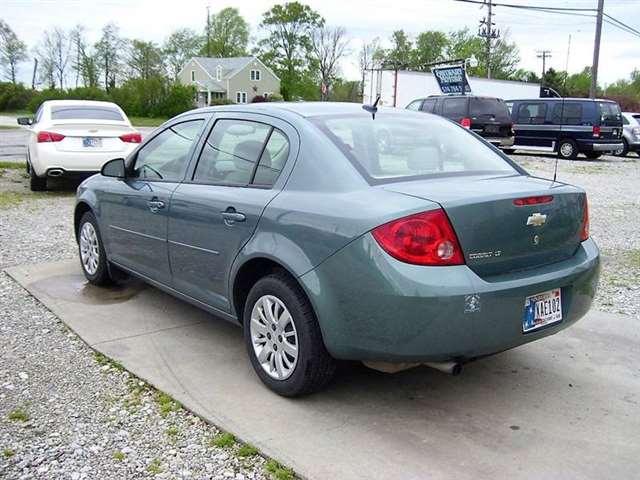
(429, 105)
(624, 120)
(567, 113)
(531, 113)
(86, 113)
(231, 152)
(488, 107)
(272, 160)
(454, 107)
(421, 147)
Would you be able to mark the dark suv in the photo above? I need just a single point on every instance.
(567, 126)
(487, 116)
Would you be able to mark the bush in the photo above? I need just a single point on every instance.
(14, 97)
(275, 97)
(258, 99)
(221, 101)
(154, 97)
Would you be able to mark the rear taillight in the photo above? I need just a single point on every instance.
(44, 137)
(422, 239)
(466, 122)
(131, 138)
(520, 202)
(596, 132)
(584, 234)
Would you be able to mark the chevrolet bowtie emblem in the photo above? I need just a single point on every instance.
(536, 219)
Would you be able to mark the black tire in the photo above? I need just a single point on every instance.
(593, 155)
(508, 151)
(37, 184)
(101, 275)
(314, 368)
(625, 149)
(570, 150)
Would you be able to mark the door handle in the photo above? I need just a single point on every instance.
(230, 216)
(155, 205)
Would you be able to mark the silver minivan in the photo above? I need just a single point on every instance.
(630, 134)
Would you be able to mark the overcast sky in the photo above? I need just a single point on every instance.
(364, 20)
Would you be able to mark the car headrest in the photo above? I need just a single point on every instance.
(250, 150)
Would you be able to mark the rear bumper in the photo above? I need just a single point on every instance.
(373, 307)
(46, 158)
(501, 141)
(599, 146)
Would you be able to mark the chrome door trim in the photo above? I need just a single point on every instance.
(138, 233)
(214, 252)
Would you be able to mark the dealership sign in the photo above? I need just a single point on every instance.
(451, 79)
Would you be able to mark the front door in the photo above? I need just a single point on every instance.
(136, 208)
(215, 213)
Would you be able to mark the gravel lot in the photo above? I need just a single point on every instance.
(79, 416)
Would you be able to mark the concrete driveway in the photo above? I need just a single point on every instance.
(564, 407)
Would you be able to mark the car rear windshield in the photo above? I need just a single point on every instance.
(489, 107)
(395, 147)
(86, 113)
(609, 109)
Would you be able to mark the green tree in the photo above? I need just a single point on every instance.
(12, 51)
(179, 47)
(228, 34)
(145, 59)
(109, 53)
(578, 84)
(430, 47)
(287, 46)
(556, 80)
(401, 52)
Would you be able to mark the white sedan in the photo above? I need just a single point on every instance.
(75, 138)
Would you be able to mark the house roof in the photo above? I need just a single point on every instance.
(230, 66)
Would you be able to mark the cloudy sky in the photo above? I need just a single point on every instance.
(364, 20)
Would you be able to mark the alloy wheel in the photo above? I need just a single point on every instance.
(274, 337)
(566, 149)
(89, 248)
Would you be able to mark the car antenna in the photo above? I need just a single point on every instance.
(372, 109)
(555, 172)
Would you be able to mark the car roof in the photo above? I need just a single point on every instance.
(302, 109)
(557, 99)
(86, 103)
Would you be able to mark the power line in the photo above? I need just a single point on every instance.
(543, 54)
(530, 7)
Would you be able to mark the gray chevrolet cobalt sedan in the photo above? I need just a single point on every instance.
(293, 222)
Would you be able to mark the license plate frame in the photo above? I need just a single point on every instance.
(92, 142)
(492, 129)
(542, 310)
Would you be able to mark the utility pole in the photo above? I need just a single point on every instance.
(487, 31)
(208, 33)
(596, 51)
(543, 54)
(35, 70)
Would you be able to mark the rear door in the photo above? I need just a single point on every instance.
(135, 210)
(610, 118)
(215, 212)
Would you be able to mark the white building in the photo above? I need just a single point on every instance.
(402, 89)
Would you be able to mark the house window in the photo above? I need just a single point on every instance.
(255, 75)
(218, 73)
(193, 75)
(241, 97)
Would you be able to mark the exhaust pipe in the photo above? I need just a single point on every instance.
(452, 368)
(55, 172)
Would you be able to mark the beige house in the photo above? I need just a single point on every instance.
(238, 79)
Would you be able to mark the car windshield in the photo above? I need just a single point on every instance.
(392, 147)
(86, 113)
(488, 107)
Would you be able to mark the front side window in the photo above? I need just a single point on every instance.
(454, 107)
(415, 105)
(166, 156)
(422, 147)
(532, 113)
(429, 105)
(86, 113)
(231, 152)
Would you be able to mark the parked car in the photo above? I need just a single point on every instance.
(486, 116)
(567, 126)
(630, 134)
(288, 220)
(72, 138)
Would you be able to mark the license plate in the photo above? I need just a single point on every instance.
(491, 129)
(541, 310)
(91, 142)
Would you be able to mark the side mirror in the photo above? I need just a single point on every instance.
(114, 168)
(25, 121)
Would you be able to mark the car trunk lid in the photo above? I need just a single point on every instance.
(89, 138)
(496, 235)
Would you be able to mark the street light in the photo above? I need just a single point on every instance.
(472, 61)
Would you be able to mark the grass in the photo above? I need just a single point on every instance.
(9, 127)
(7, 452)
(118, 455)
(634, 258)
(11, 198)
(167, 404)
(172, 431)
(102, 360)
(19, 414)
(278, 471)
(247, 450)
(223, 440)
(154, 467)
(13, 165)
(146, 122)
(16, 113)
